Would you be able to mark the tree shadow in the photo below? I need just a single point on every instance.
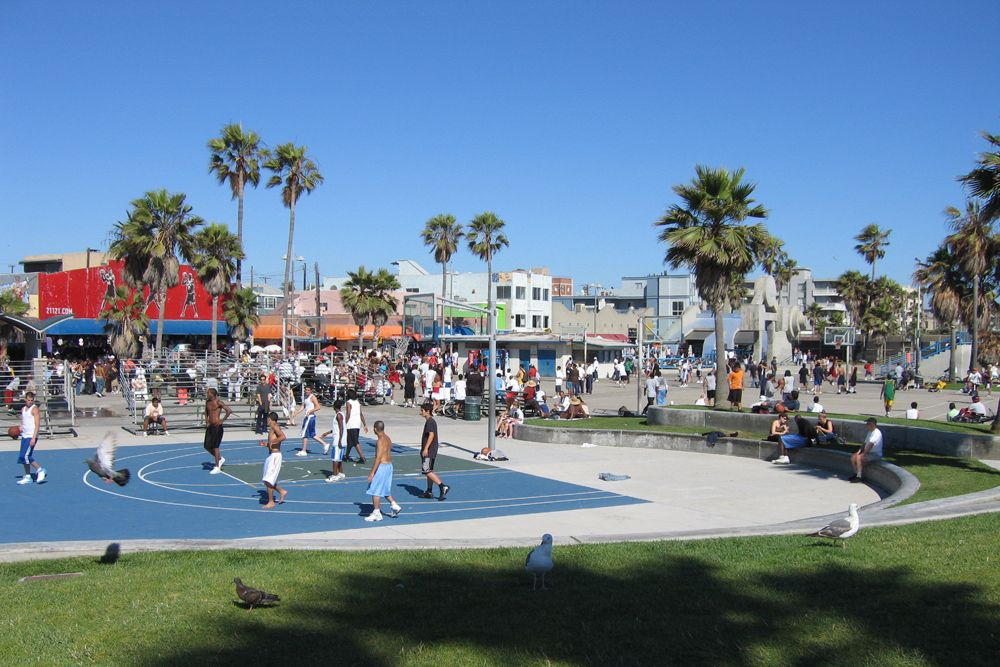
(912, 459)
(667, 609)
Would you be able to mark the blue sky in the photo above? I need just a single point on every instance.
(570, 120)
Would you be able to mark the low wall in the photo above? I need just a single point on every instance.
(894, 483)
(897, 436)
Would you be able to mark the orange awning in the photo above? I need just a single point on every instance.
(330, 331)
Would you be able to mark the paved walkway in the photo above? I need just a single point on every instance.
(684, 495)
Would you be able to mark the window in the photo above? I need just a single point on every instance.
(545, 295)
(503, 291)
(545, 322)
(520, 292)
(519, 319)
(412, 289)
(678, 308)
(536, 321)
(536, 293)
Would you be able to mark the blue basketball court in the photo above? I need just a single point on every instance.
(173, 496)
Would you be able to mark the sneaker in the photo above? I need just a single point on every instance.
(302, 452)
(341, 476)
(145, 434)
(222, 459)
(444, 491)
(332, 478)
(362, 461)
(25, 480)
(40, 475)
(166, 433)
(855, 480)
(781, 459)
(396, 509)
(374, 516)
(215, 471)
(427, 494)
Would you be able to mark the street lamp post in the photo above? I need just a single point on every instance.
(595, 287)
(288, 301)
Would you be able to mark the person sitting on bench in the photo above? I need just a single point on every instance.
(154, 415)
(825, 431)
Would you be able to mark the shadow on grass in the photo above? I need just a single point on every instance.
(668, 610)
(915, 460)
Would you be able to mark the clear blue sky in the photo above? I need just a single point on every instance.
(571, 120)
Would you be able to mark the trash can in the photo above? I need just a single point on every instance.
(473, 408)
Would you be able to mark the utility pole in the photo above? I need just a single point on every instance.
(319, 311)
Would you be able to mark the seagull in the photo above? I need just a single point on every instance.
(103, 463)
(841, 529)
(252, 596)
(539, 561)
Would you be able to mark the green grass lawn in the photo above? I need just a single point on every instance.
(925, 594)
(940, 476)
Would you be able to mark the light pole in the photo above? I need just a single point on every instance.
(595, 287)
(288, 302)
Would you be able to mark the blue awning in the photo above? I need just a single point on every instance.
(92, 327)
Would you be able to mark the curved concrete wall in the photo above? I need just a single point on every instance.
(893, 482)
(897, 436)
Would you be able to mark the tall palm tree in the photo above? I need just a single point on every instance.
(236, 156)
(296, 173)
(442, 234)
(853, 287)
(975, 246)
(872, 243)
(159, 227)
(10, 304)
(984, 180)
(948, 289)
(218, 252)
(485, 238)
(706, 233)
(240, 313)
(816, 316)
(356, 294)
(383, 302)
(777, 264)
(125, 320)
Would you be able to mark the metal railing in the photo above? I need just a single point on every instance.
(52, 383)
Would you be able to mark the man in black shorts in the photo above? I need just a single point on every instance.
(428, 452)
(213, 427)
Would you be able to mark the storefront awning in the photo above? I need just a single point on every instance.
(92, 327)
(330, 332)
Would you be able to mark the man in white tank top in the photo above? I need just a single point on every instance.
(30, 423)
(355, 421)
(339, 431)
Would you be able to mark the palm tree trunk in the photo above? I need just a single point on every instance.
(975, 324)
(285, 285)
(361, 338)
(239, 234)
(161, 306)
(215, 322)
(444, 293)
(375, 334)
(722, 372)
(952, 352)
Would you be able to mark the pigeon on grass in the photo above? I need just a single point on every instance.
(252, 596)
(539, 561)
(103, 463)
(841, 529)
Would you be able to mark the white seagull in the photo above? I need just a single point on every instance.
(539, 561)
(103, 463)
(841, 529)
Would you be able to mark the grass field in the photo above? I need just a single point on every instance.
(940, 476)
(925, 594)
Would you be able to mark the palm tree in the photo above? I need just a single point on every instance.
(356, 294)
(975, 246)
(853, 287)
(705, 233)
(10, 304)
(240, 313)
(442, 234)
(159, 227)
(296, 173)
(984, 180)
(383, 302)
(948, 289)
(777, 264)
(872, 243)
(125, 321)
(485, 238)
(218, 252)
(236, 156)
(815, 314)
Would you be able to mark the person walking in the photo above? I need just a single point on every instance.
(355, 422)
(262, 399)
(272, 464)
(338, 431)
(213, 427)
(310, 406)
(380, 478)
(30, 424)
(428, 452)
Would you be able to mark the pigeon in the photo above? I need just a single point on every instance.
(103, 463)
(539, 561)
(252, 596)
(841, 529)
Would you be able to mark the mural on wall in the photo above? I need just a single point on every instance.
(20, 285)
(82, 293)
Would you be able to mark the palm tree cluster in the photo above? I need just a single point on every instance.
(368, 297)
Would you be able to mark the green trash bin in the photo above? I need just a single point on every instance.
(473, 408)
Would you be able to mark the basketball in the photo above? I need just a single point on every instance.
(14, 432)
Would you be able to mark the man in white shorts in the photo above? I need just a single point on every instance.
(272, 464)
(870, 451)
(338, 431)
(310, 405)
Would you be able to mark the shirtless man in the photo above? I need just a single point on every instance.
(380, 478)
(213, 429)
(272, 464)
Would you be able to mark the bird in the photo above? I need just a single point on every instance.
(252, 596)
(539, 561)
(841, 529)
(103, 463)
